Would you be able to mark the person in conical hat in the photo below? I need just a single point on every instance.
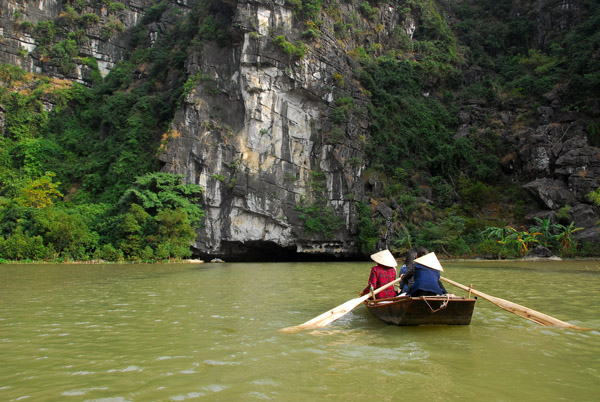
(384, 257)
(426, 274)
(382, 274)
(430, 261)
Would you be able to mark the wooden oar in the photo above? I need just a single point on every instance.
(517, 309)
(337, 312)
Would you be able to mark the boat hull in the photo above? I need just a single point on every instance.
(429, 310)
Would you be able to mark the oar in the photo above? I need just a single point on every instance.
(517, 309)
(337, 312)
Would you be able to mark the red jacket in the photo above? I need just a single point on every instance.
(380, 276)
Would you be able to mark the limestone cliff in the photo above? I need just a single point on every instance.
(257, 134)
(29, 30)
(265, 129)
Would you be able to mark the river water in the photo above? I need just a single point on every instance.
(180, 332)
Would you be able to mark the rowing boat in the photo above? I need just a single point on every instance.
(423, 310)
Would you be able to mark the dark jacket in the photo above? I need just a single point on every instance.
(426, 279)
(405, 284)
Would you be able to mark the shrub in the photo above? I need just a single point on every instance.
(20, 246)
(115, 6)
(367, 233)
(110, 253)
(298, 50)
(90, 19)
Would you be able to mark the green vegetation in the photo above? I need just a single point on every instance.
(319, 217)
(368, 233)
(499, 37)
(154, 220)
(396, 105)
(512, 242)
(298, 50)
(81, 181)
(450, 188)
(307, 9)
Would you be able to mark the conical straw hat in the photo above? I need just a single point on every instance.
(384, 257)
(430, 261)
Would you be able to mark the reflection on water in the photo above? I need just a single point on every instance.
(210, 332)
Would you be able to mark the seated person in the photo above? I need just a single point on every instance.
(426, 274)
(382, 274)
(404, 287)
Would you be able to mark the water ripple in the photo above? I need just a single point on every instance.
(174, 332)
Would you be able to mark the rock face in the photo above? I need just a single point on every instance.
(566, 169)
(552, 157)
(257, 135)
(105, 39)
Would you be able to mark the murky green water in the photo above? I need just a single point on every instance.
(210, 332)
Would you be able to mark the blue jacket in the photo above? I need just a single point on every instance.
(426, 279)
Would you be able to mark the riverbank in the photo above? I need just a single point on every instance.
(219, 261)
(186, 261)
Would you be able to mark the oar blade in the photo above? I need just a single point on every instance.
(522, 311)
(529, 314)
(337, 312)
(328, 316)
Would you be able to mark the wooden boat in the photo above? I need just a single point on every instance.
(424, 310)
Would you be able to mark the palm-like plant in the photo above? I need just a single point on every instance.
(565, 236)
(499, 233)
(510, 237)
(526, 240)
(545, 230)
(545, 233)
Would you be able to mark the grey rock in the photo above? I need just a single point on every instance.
(539, 252)
(552, 194)
(584, 216)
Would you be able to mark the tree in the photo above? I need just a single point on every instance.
(511, 238)
(174, 230)
(67, 231)
(20, 246)
(110, 253)
(40, 193)
(446, 234)
(156, 192)
(161, 214)
(136, 228)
